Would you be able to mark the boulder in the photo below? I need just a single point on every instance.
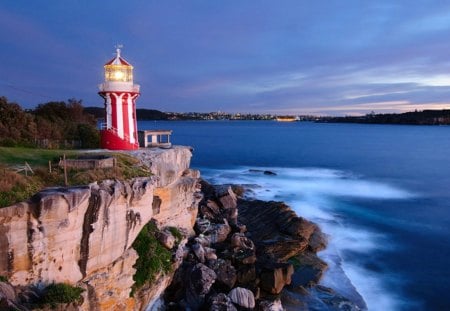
(7, 291)
(239, 240)
(275, 276)
(199, 252)
(210, 254)
(221, 302)
(269, 173)
(166, 239)
(317, 241)
(244, 251)
(298, 227)
(310, 270)
(226, 274)
(204, 241)
(226, 197)
(282, 249)
(202, 225)
(200, 281)
(246, 274)
(219, 232)
(242, 297)
(267, 305)
(244, 256)
(211, 210)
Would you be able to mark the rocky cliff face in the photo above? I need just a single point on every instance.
(83, 235)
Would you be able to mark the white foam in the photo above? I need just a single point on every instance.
(315, 193)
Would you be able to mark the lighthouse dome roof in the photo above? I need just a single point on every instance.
(118, 60)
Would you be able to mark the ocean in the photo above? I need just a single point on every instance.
(380, 192)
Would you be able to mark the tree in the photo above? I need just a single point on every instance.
(16, 126)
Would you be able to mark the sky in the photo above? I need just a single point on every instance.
(319, 57)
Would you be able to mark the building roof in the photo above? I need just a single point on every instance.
(118, 60)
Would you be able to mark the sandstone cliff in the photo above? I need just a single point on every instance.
(83, 235)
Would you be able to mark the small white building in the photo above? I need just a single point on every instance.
(155, 138)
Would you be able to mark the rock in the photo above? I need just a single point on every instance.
(310, 269)
(244, 256)
(246, 274)
(210, 254)
(282, 249)
(219, 232)
(275, 276)
(226, 274)
(268, 221)
(298, 227)
(242, 297)
(226, 197)
(200, 281)
(238, 190)
(85, 233)
(202, 225)
(221, 302)
(265, 172)
(7, 291)
(336, 301)
(243, 249)
(166, 239)
(167, 164)
(211, 211)
(317, 241)
(208, 190)
(239, 240)
(269, 173)
(267, 305)
(204, 241)
(199, 252)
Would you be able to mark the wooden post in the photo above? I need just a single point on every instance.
(50, 166)
(115, 167)
(65, 170)
(28, 168)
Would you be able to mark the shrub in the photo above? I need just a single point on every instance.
(153, 257)
(15, 187)
(8, 142)
(61, 293)
(176, 233)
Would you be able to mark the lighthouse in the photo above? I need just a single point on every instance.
(119, 132)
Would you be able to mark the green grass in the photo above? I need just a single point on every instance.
(33, 156)
(153, 257)
(16, 187)
(3, 278)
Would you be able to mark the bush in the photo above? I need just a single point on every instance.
(61, 293)
(8, 142)
(176, 233)
(15, 187)
(153, 257)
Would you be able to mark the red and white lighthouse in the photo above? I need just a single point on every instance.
(120, 93)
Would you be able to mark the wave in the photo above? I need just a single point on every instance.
(323, 196)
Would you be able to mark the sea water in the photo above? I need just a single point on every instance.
(380, 192)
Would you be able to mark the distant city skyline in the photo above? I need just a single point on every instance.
(277, 57)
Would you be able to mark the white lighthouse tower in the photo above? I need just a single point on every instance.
(120, 93)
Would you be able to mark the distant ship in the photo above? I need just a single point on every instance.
(286, 119)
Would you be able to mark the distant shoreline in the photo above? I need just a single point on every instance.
(425, 117)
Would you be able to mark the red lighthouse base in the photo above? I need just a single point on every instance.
(110, 140)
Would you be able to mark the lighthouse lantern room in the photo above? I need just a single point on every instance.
(119, 132)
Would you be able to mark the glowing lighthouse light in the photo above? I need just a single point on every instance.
(120, 93)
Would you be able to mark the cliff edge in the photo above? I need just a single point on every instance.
(83, 235)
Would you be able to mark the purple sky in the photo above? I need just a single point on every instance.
(304, 57)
